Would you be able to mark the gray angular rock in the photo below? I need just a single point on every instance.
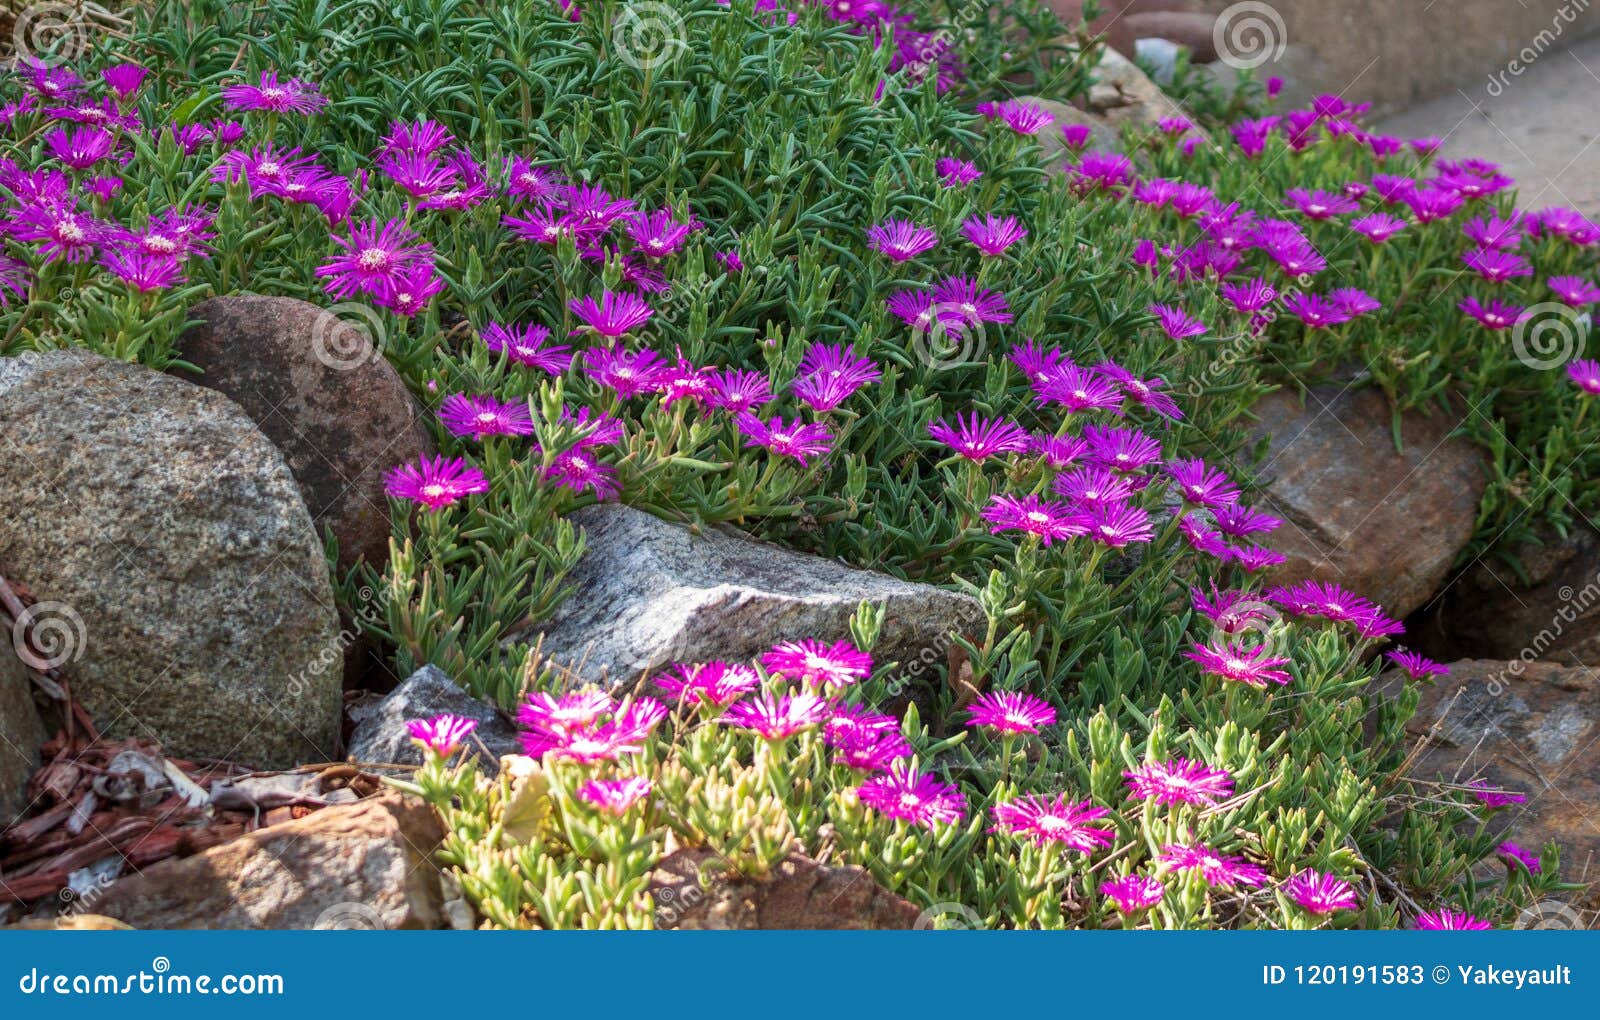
(380, 735)
(649, 593)
(21, 733)
(314, 379)
(165, 536)
(1384, 524)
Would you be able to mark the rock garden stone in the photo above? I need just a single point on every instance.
(315, 380)
(363, 866)
(1382, 523)
(165, 539)
(380, 735)
(691, 891)
(648, 593)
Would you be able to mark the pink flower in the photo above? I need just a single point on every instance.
(375, 256)
(1378, 227)
(1177, 323)
(955, 173)
(576, 728)
(829, 374)
(1047, 519)
(615, 315)
(435, 482)
(1229, 660)
(1019, 115)
(992, 235)
(1133, 892)
(1219, 870)
(1011, 712)
(1179, 781)
(1417, 667)
(274, 96)
(1514, 854)
(615, 796)
(1492, 797)
(901, 240)
(707, 683)
(442, 734)
(628, 373)
(815, 664)
(481, 416)
(1586, 374)
(906, 794)
(778, 718)
(794, 440)
(528, 345)
(1319, 893)
(979, 438)
(1451, 920)
(1058, 820)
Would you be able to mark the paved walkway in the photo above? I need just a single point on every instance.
(1543, 127)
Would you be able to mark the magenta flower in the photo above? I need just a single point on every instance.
(1201, 485)
(1095, 486)
(143, 272)
(1048, 520)
(59, 232)
(1047, 821)
(1429, 204)
(274, 96)
(125, 80)
(1144, 392)
(526, 181)
(375, 254)
(1231, 611)
(1586, 374)
(1241, 521)
(615, 315)
(1491, 797)
(901, 240)
(992, 235)
(829, 374)
(658, 234)
(1328, 601)
(815, 664)
(1378, 227)
(778, 718)
(1179, 781)
(792, 439)
(1319, 205)
(960, 300)
(1315, 311)
(1249, 296)
(1077, 389)
(907, 794)
(1494, 233)
(856, 721)
(482, 416)
(977, 438)
(15, 278)
(615, 796)
(1019, 115)
(1177, 323)
(1319, 893)
(1059, 452)
(1417, 667)
(1230, 660)
(1497, 266)
(869, 752)
(442, 734)
(1219, 870)
(1514, 854)
(435, 482)
(80, 148)
(1133, 893)
(1573, 290)
(1201, 538)
(1353, 301)
(528, 345)
(1117, 525)
(1101, 171)
(736, 390)
(579, 470)
(956, 173)
(1011, 712)
(575, 727)
(1251, 135)
(594, 206)
(1076, 136)
(627, 373)
(1121, 449)
(1451, 920)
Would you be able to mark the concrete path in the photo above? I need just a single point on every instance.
(1543, 126)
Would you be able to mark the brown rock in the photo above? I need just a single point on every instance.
(68, 922)
(1123, 94)
(691, 891)
(21, 733)
(1532, 728)
(1549, 612)
(315, 381)
(367, 865)
(1384, 524)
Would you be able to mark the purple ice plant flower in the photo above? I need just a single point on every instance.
(1315, 311)
(977, 438)
(1221, 871)
(615, 315)
(1121, 449)
(1011, 712)
(579, 470)
(1078, 389)
(435, 482)
(80, 148)
(272, 95)
(124, 80)
(1585, 374)
(1094, 485)
(1177, 323)
(1451, 920)
(527, 345)
(1019, 115)
(627, 373)
(1048, 520)
(1076, 136)
(1495, 315)
(1146, 393)
(956, 173)
(1051, 821)
(776, 718)
(829, 374)
(1417, 667)
(1378, 227)
(795, 439)
(1101, 171)
(141, 271)
(1574, 291)
(1117, 525)
(907, 794)
(659, 234)
(992, 235)
(1133, 893)
(1249, 296)
(901, 240)
(1319, 205)
(1240, 663)
(1513, 855)
(615, 796)
(814, 664)
(1353, 301)
(1179, 781)
(1492, 797)
(1201, 485)
(375, 254)
(482, 416)
(1497, 266)
(442, 734)
(1319, 893)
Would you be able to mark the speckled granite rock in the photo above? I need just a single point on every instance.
(317, 384)
(650, 593)
(691, 891)
(1383, 524)
(21, 733)
(158, 515)
(381, 737)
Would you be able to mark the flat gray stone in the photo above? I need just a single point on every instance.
(381, 737)
(164, 535)
(649, 593)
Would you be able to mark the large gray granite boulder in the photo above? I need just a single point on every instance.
(381, 738)
(155, 519)
(649, 593)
